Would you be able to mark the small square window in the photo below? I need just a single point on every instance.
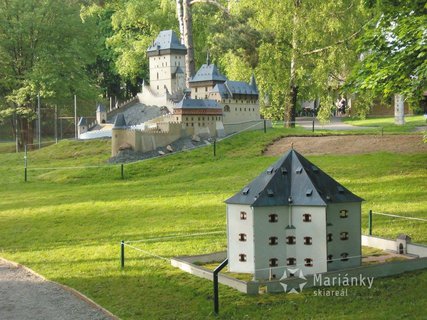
(291, 261)
(290, 240)
(272, 241)
(242, 257)
(243, 215)
(343, 213)
(330, 258)
(308, 262)
(344, 256)
(273, 217)
(274, 262)
(242, 237)
(344, 235)
(306, 217)
(329, 237)
(308, 240)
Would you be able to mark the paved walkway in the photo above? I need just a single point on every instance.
(334, 124)
(26, 296)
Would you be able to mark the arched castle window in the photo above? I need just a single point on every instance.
(226, 108)
(157, 76)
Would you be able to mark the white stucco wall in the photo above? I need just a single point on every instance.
(352, 225)
(263, 250)
(316, 229)
(161, 69)
(235, 226)
(237, 110)
(263, 230)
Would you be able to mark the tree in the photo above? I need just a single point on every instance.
(44, 49)
(135, 23)
(185, 20)
(304, 46)
(393, 51)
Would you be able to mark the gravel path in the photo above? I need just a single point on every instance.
(349, 144)
(25, 295)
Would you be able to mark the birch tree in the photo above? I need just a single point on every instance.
(305, 45)
(185, 21)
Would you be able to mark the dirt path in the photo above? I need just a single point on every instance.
(352, 144)
(27, 296)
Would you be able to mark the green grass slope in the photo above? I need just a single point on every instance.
(67, 222)
(387, 123)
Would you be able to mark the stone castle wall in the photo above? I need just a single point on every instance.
(148, 139)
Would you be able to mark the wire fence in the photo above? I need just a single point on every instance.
(213, 144)
(372, 213)
(130, 243)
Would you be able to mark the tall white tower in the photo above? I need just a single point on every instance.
(167, 63)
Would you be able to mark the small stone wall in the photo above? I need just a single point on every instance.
(145, 140)
(187, 264)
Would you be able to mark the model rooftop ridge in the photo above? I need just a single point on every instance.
(293, 180)
(166, 40)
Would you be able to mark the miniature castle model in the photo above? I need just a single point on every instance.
(293, 216)
(213, 106)
(167, 63)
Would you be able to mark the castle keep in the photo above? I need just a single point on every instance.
(213, 106)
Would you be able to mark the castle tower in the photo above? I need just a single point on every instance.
(101, 114)
(82, 126)
(205, 80)
(167, 63)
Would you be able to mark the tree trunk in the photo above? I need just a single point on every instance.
(180, 16)
(27, 133)
(190, 66)
(399, 110)
(293, 95)
(291, 111)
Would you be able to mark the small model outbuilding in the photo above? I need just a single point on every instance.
(293, 215)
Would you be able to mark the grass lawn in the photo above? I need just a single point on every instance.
(6, 147)
(66, 223)
(387, 123)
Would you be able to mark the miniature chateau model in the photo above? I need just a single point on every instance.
(293, 216)
(293, 226)
(165, 110)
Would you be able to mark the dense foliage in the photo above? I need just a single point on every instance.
(298, 49)
(393, 50)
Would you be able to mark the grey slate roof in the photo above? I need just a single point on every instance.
(403, 237)
(100, 108)
(120, 121)
(253, 84)
(178, 70)
(167, 39)
(208, 72)
(230, 88)
(82, 122)
(293, 178)
(197, 104)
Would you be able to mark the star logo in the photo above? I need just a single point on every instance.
(294, 274)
